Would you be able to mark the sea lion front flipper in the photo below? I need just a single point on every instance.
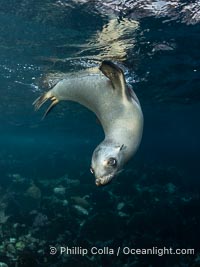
(42, 99)
(116, 76)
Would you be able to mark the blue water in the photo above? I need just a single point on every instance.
(155, 202)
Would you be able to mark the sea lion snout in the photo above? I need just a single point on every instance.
(103, 180)
(98, 182)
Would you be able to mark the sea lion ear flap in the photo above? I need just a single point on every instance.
(116, 76)
(120, 148)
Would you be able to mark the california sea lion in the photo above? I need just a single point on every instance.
(106, 93)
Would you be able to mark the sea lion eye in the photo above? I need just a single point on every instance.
(112, 162)
(91, 170)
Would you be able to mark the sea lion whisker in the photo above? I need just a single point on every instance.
(120, 171)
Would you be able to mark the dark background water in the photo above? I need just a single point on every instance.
(160, 185)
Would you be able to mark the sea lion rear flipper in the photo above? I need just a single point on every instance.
(42, 99)
(116, 76)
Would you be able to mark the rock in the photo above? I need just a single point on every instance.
(120, 205)
(12, 240)
(3, 217)
(2, 248)
(60, 190)
(81, 210)
(81, 201)
(17, 178)
(170, 188)
(19, 246)
(65, 202)
(122, 214)
(10, 249)
(34, 192)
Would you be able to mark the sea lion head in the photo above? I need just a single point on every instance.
(107, 161)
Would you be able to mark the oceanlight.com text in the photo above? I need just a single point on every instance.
(158, 251)
(65, 250)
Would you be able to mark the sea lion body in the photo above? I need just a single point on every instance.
(117, 108)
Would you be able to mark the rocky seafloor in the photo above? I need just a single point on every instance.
(142, 208)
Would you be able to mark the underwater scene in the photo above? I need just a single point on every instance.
(52, 213)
